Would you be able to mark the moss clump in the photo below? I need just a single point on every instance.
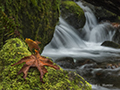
(54, 79)
(12, 50)
(72, 7)
(37, 18)
(73, 14)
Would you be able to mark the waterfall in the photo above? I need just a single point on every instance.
(69, 42)
(85, 44)
(91, 21)
(102, 32)
(93, 31)
(66, 36)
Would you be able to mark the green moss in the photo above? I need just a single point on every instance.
(72, 12)
(111, 13)
(119, 18)
(12, 50)
(37, 18)
(72, 7)
(54, 79)
(7, 27)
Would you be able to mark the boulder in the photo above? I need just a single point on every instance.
(110, 44)
(35, 19)
(73, 14)
(13, 51)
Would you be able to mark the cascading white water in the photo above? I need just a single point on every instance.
(91, 21)
(64, 32)
(67, 42)
(95, 32)
(101, 32)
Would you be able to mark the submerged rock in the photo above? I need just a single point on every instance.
(13, 51)
(81, 62)
(66, 62)
(110, 44)
(73, 14)
(106, 73)
(109, 76)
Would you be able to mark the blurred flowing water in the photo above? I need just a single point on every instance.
(84, 43)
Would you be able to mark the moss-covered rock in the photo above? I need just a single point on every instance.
(7, 27)
(13, 50)
(73, 14)
(37, 18)
(54, 79)
(110, 44)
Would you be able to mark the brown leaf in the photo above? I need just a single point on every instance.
(32, 44)
(35, 60)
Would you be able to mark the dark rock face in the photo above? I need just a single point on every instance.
(101, 13)
(116, 37)
(110, 44)
(111, 5)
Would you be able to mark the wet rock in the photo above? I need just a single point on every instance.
(71, 12)
(100, 73)
(107, 65)
(111, 5)
(101, 13)
(108, 76)
(110, 44)
(66, 62)
(116, 37)
(83, 62)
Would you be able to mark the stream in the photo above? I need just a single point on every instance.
(85, 44)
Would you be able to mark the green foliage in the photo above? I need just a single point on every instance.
(54, 79)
